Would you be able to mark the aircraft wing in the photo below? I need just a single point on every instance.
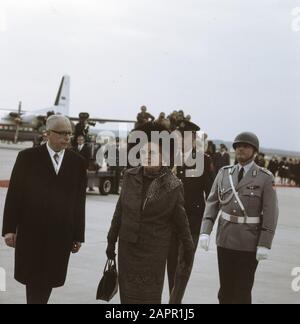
(103, 121)
(8, 110)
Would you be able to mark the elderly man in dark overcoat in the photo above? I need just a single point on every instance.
(44, 215)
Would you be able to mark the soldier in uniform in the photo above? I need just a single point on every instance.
(196, 190)
(163, 121)
(244, 198)
(143, 117)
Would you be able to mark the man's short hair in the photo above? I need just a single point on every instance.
(54, 119)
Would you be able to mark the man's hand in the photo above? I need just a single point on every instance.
(204, 242)
(10, 240)
(262, 253)
(76, 247)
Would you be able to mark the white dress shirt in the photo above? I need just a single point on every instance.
(60, 154)
(247, 167)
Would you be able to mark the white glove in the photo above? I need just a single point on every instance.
(204, 241)
(262, 253)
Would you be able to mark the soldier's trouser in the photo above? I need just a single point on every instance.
(178, 273)
(237, 274)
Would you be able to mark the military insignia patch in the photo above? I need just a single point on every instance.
(253, 187)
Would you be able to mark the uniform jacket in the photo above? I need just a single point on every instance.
(259, 197)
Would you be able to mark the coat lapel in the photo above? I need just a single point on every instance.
(248, 177)
(163, 184)
(138, 175)
(47, 161)
(235, 175)
(49, 165)
(65, 163)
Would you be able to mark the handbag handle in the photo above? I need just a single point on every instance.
(110, 264)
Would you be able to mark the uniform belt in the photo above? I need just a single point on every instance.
(240, 220)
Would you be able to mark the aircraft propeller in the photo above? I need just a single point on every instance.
(18, 121)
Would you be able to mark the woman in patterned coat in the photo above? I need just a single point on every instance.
(150, 208)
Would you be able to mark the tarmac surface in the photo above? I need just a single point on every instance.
(273, 280)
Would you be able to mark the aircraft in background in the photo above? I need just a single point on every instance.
(21, 126)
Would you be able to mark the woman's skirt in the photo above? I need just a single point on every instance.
(141, 272)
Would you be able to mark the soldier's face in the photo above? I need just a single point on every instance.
(244, 153)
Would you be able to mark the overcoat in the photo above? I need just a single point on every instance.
(47, 211)
(144, 228)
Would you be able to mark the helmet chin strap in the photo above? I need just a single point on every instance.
(250, 160)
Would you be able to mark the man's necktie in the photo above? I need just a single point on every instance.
(56, 158)
(241, 174)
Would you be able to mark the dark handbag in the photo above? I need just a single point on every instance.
(108, 286)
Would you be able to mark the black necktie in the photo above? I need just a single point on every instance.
(56, 158)
(241, 174)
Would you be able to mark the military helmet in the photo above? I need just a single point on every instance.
(247, 138)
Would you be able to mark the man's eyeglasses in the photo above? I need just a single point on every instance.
(63, 134)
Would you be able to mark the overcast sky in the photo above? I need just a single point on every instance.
(233, 65)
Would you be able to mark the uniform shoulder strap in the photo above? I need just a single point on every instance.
(228, 167)
(266, 171)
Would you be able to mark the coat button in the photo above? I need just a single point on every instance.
(236, 202)
(234, 211)
(252, 193)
